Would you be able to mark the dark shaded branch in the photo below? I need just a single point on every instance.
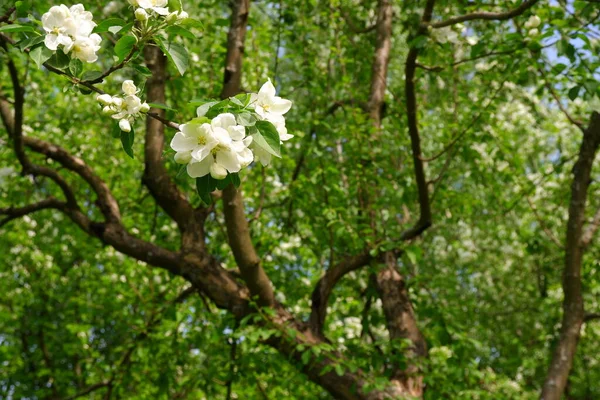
(488, 16)
(591, 317)
(413, 129)
(321, 293)
(156, 177)
(573, 309)
(13, 213)
(106, 202)
(238, 231)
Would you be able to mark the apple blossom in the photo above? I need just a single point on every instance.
(269, 106)
(124, 109)
(158, 6)
(533, 22)
(72, 29)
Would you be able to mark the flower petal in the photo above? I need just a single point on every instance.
(198, 169)
(229, 160)
(280, 106)
(181, 142)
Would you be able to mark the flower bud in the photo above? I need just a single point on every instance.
(133, 2)
(107, 110)
(125, 125)
(104, 99)
(182, 16)
(218, 172)
(141, 15)
(533, 32)
(533, 22)
(171, 18)
(117, 101)
(129, 88)
(183, 157)
(145, 108)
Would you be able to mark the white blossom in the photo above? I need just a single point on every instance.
(124, 109)
(72, 29)
(158, 6)
(269, 106)
(533, 22)
(215, 148)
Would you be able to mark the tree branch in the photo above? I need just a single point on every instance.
(573, 309)
(238, 231)
(488, 16)
(321, 293)
(156, 177)
(13, 213)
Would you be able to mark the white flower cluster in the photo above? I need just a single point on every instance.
(218, 147)
(147, 8)
(270, 108)
(71, 29)
(532, 24)
(124, 109)
(221, 146)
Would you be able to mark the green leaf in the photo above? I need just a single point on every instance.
(161, 106)
(30, 42)
(339, 369)
(179, 31)
(418, 42)
(246, 119)
(574, 92)
(116, 131)
(205, 185)
(175, 5)
(23, 8)
(268, 138)
(223, 183)
(105, 25)
(124, 47)
(76, 67)
(176, 53)
(40, 54)
(142, 69)
(305, 358)
(91, 75)
(59, 60)
(17, 28)
(127, 142)
(235, 179)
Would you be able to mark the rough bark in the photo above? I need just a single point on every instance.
(573, 308)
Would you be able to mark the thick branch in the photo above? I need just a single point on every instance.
(402, 325)
(238, 231)
(573, 310)
(156, 177)
(489, 16)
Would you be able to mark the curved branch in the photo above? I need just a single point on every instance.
(13, 213)
(489, 16)
(321, 293)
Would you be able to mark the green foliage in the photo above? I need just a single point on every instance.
(485, 279)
